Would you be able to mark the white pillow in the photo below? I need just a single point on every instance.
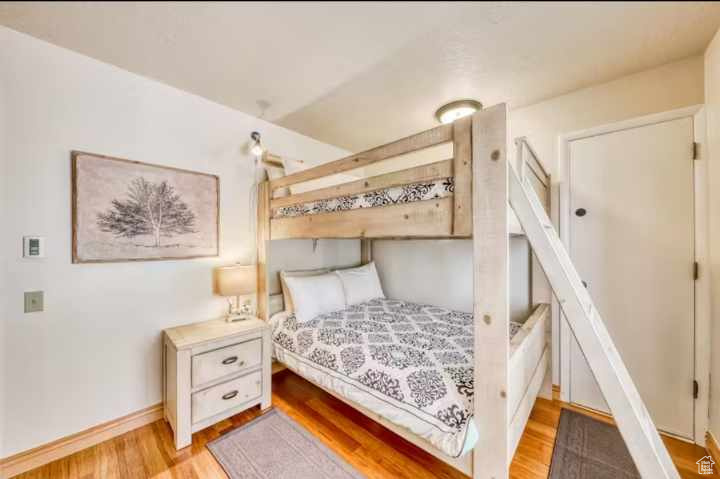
(287, 297)
(315, 295)
(360, 284)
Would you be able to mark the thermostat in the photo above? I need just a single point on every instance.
(33, 247)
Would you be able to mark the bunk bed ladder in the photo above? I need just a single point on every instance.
(633, 420)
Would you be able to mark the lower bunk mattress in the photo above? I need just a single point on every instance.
(411, 364)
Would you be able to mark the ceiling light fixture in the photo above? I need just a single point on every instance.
(457, 109)
(256, 147)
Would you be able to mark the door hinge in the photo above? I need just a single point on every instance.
(696, 270)
(696, 389)
(695, 150)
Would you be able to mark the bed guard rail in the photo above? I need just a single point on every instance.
(529, 162)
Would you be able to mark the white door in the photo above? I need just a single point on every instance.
(631, 238)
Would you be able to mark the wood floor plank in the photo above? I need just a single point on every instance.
(149, 452)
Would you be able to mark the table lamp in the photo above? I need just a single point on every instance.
(236, 280)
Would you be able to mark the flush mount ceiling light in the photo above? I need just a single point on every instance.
(457, 109)
(256, 147)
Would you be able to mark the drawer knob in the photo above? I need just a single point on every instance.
(230, 360)
(230, 395)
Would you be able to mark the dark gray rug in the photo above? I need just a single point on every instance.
(586, 448)
(273, 446)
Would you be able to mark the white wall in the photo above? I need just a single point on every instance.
(440, 272)
(712, 109)
(94, 354)
(664, 88)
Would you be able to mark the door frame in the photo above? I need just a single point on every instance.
(702, 340)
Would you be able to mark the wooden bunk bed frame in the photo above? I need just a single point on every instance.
(478, 209)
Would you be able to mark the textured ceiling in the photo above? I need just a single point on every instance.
(356, 75)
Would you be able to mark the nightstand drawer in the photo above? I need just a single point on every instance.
(224, 396)
(213, 365)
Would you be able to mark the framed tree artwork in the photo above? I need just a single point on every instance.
(126, 210)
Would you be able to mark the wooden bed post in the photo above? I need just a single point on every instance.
(462, 171)
(263, 237)
(490, 289)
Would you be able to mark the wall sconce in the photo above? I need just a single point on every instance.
(256, 147)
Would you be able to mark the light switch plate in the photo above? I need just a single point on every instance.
(33, 247)
(34, 301)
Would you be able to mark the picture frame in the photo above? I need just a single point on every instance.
(126, 210)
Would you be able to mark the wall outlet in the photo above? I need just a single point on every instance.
(34, 301)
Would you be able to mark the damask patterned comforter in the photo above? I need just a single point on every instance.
(410, 363)
(427, 190)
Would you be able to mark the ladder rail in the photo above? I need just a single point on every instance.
(634, 422)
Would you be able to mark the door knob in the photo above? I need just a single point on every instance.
(580, 212)
(584, 284)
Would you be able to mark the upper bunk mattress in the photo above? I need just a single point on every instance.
(389, 196)
(428, 190)
(409, 363)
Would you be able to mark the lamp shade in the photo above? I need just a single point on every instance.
(235, 280)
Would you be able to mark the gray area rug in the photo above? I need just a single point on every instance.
(273, 446)
(586, 448)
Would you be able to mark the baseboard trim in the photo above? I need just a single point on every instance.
(711, 445)
(555, 392)
(41, 455)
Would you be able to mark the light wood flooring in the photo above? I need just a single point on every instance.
(148, 452)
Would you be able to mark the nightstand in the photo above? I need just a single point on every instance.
(213, 370)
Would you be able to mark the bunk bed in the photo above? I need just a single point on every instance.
(464, 196)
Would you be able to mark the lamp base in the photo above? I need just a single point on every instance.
(239, 312)
(231, 318)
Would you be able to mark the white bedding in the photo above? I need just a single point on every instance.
(409, 363)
